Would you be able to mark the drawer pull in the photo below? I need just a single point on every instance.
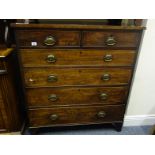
(106, 77)
(101, 114)
(107, 58)
(54, 117)
(31, 80)
(52, 97)
(103, 96)
(50, 41)
(51, 58)
(110, 41)
(52, 78)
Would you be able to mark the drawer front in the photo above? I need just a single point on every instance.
(75, 96)
(48, 38)
(75, 76)
(111, 39)
(41, 58)
(75, 115)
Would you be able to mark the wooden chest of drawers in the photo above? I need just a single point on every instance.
(76, 74)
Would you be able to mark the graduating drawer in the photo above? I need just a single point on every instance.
(49, 77)
(75, 96)
(75, 115)
(51, 57)
(48, 38)
(111, 39)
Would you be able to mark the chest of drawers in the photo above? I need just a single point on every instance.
(76, 74)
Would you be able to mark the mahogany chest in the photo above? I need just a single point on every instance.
(76, 74)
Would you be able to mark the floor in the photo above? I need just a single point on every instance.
(88, 130)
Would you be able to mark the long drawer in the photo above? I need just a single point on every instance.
(47, 38)
(76, 57)
(75, 96)
(75, 115)
(111, 39)
(48, 77)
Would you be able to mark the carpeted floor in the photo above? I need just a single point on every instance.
(132, 130)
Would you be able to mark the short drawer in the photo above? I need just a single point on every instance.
(47, 38)
(75, 96)
(111, 39)
(49, 77)
(75, 115)
(51, 57)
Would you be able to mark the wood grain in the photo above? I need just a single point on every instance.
(75, 115)
(98, 38)
(9, 103)
(75, 26)
(63, 38)
(4, 52)
(79, 67)
(75, 96)
(2, 125)
(74, 57)
(37, 77)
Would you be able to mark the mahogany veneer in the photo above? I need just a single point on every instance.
(76, 74)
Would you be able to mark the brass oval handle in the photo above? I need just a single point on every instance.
(101, 114)
(110, 41)
(51, 58)
(52, 97)
(54, 117)
(108, 58)
(49, 41)
(103, 96)
(52, 78)
(31, 80)
(106, 77)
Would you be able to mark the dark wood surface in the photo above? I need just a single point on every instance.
(74, 57)
(5, 52)
(79, 67)
(9, 103)
(75, 39)
(76, 96)
(2, 114)
(38, 77)
(63, 38)
(98, 38)
(76, 26)
(75, 115)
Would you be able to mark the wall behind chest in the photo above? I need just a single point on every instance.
(142, 98)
